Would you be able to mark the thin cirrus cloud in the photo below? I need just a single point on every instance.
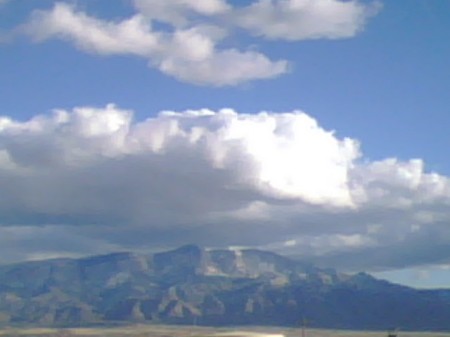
(218, 178)
(190, 50)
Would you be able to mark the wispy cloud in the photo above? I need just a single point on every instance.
(192, 49)
(296, 20)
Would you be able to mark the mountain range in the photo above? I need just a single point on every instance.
(211, 287)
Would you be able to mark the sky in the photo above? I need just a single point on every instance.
(313, 128)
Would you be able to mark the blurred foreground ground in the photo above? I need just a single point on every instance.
(186, 331)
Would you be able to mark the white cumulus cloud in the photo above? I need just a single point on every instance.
(285, 156)
(219, 178)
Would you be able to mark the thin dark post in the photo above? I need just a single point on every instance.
(304, 327)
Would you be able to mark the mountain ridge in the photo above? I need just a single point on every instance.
(212, 287)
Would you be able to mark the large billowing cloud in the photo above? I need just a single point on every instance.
(96, 180)
(191, 49)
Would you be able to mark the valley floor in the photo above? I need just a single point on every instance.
(185, 331)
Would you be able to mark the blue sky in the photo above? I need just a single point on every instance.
(374, 72)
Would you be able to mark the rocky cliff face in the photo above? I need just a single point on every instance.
(210, 287)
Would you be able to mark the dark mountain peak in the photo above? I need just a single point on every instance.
(179, 264)
(366, 281)
(224, 286)
(105, 258)
(188, 249)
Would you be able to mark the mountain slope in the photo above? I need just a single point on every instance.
(211, 287)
